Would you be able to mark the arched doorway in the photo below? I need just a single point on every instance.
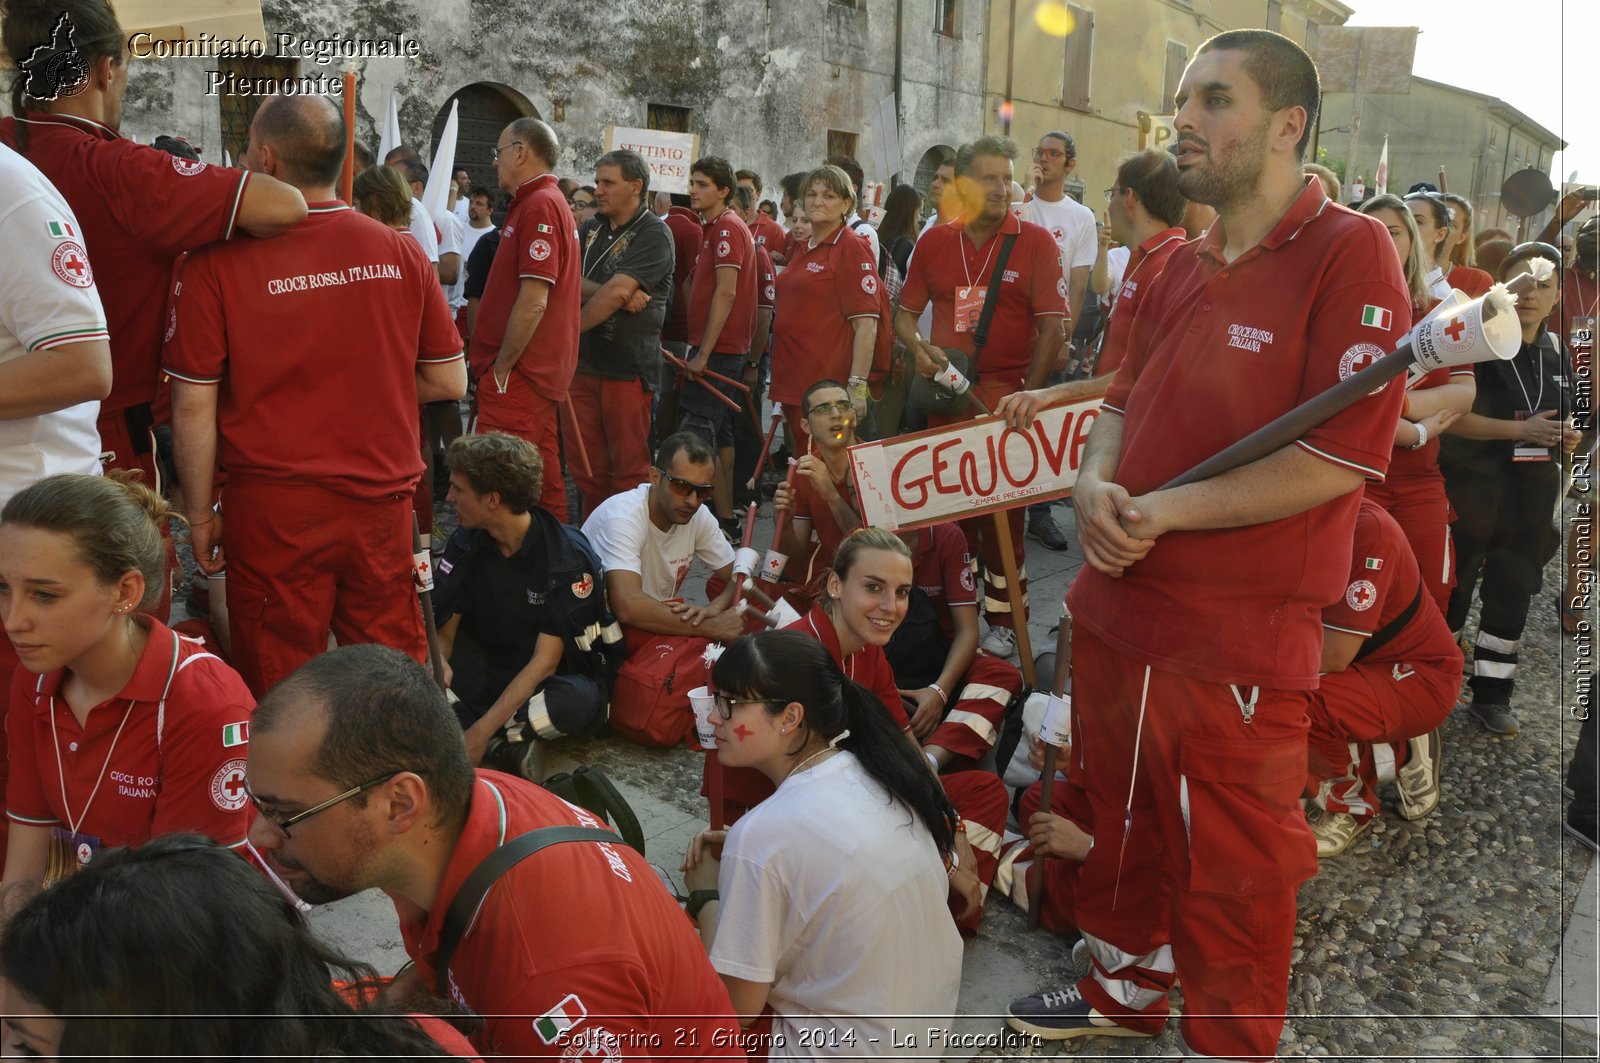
(932, 159)
(486, 108)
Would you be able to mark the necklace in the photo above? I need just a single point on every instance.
(806, 763)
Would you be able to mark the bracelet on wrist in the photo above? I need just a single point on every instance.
(1422, 436)
(944, 698)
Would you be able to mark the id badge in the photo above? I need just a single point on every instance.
(69, 853)
(1525, 452)
(969, 307)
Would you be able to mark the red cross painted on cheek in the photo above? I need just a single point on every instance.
(743, 732)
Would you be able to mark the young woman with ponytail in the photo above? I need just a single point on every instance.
(828, 905)
(119, 729)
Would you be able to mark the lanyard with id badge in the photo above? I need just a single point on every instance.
(70, 848)
(1533, 405)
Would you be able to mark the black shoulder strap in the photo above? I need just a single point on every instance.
(1387, 632)
(490, 868)
(980, 336)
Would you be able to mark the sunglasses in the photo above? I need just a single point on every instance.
(687, 487)
(725, 705)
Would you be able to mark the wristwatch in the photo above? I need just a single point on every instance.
(1422, 436)
(698, 899)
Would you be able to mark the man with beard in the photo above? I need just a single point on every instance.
(361, 778)
(1198, 616)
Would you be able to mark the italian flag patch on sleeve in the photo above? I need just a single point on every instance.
(61, 230)
(235, 734)
(1376, 317)
(1374, 563)
(559, 1019)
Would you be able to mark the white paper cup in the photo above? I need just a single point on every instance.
(1056, 727)
(745, 560)
(703, 704)
(772, 567)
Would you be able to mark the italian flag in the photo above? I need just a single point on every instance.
(235, 734)
(559, 1019)
(61, 230)
(1376, 316)
(1374, 563)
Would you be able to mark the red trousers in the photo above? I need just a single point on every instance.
(983, 540)
(526, 414)
(614, 420)
(1368, 703)
(1419, 505)
(1056, 877)
(1196, 875)
(973, 721)
(304, 561)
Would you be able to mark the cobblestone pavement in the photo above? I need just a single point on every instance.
(1428, 940)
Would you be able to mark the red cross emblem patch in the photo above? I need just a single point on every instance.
(71, 263)
(1361, 595)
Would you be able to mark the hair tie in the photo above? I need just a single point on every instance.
(833, 743)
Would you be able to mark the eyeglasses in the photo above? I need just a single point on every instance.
(686, 487)
(501, 149)
(842, 406)
(725, 705)
(1113, 192)
(1054, 153)
(284, 823)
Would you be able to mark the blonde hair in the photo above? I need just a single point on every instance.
(860, 541)
(383, 195)
(836, 180)
(116, 522)
(1416, 265)
(1463, 253)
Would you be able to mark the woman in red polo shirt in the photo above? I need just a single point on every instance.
(1459, 267)
(1413, 491)
(119, 729)
(827, 320)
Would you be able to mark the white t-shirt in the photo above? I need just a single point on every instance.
(620, 531)
(1072, 225)
(460, 209)
(422, 228)
(1116, 266)
(863, 228)
(837, 896)
(452, 235)
(47, 299)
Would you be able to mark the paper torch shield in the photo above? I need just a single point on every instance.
(1463, 334)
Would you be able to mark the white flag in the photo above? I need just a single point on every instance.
(436, 193)
(1381, 182)
(389, 137)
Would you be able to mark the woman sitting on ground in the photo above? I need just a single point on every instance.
(828, 911)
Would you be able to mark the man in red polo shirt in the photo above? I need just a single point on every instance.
(306, 356)
(1391, 671)
(822, 497)
(766, 232)
(686, 234)
(1147, 216)
(361, 776)
(722, 315)
(138, 208)
(952, 267)
(1197, 634)
(525, 344)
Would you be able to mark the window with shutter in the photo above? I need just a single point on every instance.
(1079, 59)
(668, 118)
(1177, 59)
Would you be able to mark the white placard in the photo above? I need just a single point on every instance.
(669, 155)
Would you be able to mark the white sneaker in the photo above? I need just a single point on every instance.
(1334, 830)
(1418, 778)
(999, 642)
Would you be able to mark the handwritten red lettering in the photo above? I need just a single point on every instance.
(918, 484)
(1005, 458)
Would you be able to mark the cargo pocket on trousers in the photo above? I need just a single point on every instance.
(1240, 799)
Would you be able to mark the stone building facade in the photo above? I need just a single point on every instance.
(774, 86)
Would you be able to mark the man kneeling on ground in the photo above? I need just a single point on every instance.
(530, 645)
